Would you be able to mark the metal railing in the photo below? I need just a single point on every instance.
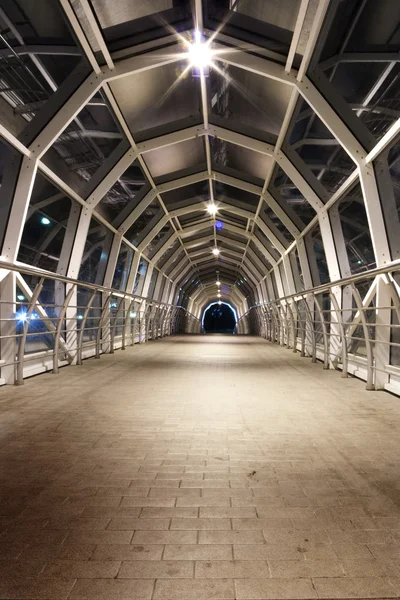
(352, 325)
(48, 321)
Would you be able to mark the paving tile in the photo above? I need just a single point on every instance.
(300, 569)
(201, 524)
(274, 589)
(133, 481)
(35, 589)
(21, 568)
(213, 512)
(198, 552)
(267, 552)
(156, 569)
(100, 537)
(349, 587)
(164, 537)
(129, 524)
(112, 589)
(232, 569)
(81, 569)
(214, 589)
(127, 552)
(231, 537)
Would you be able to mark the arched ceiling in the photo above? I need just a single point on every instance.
(150, 141)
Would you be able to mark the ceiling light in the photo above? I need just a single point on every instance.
(215, 251)
(219, 302)
(218, 295)
(45, 221)
(212, 209)
(218, 282)
(199, 53)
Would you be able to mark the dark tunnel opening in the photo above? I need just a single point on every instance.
(219, 318)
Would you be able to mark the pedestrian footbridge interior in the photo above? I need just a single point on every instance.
(199, 299)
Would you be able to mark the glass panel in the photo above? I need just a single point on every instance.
(46, 225)
(187, 195)
(171, 159)
(236, 197)
(317, 147)
(353, 219)
(122, 268)
(241, 97)
(271, 220)
(316, 256)
(95, 255)
(393, 162)
(149, 100)
(167, 254)
(238, 161)
(291, 199)
(140, 277)
(158, 240)
(266, 243)
(122, 192)
(85, 143)
(152, 285)
(134, 232)
(24, 77)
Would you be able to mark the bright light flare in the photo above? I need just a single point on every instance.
(199, 53)
(216, 251)
(212, 209)
(218, 282)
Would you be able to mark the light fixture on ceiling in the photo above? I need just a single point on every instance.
(199, 53)
(212, 209)
(218, 295)
(219, 302)
(216, 251)
(218, 282)
(45, 221)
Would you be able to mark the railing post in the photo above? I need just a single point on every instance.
(324, 332)
(382, 332)
(115, 324)
(103, 315)
(310, 321)
(8, 326)
(339, 322)
(294, 336)
(22, 341)
(57, 335)
(368, 347)
(81, 332)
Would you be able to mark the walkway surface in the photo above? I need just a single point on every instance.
(199, 468)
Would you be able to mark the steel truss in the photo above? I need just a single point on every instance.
(281, 279)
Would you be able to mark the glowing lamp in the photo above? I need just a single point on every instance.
(199, 53)
(212, 209)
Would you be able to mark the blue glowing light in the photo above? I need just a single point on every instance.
(21, 316)
(45, 221)
(219, 225)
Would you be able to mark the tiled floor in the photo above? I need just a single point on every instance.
(199, 468)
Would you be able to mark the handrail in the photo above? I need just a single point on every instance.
(325, 287)
(59, 326)
(333, 323)
(61, 278)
